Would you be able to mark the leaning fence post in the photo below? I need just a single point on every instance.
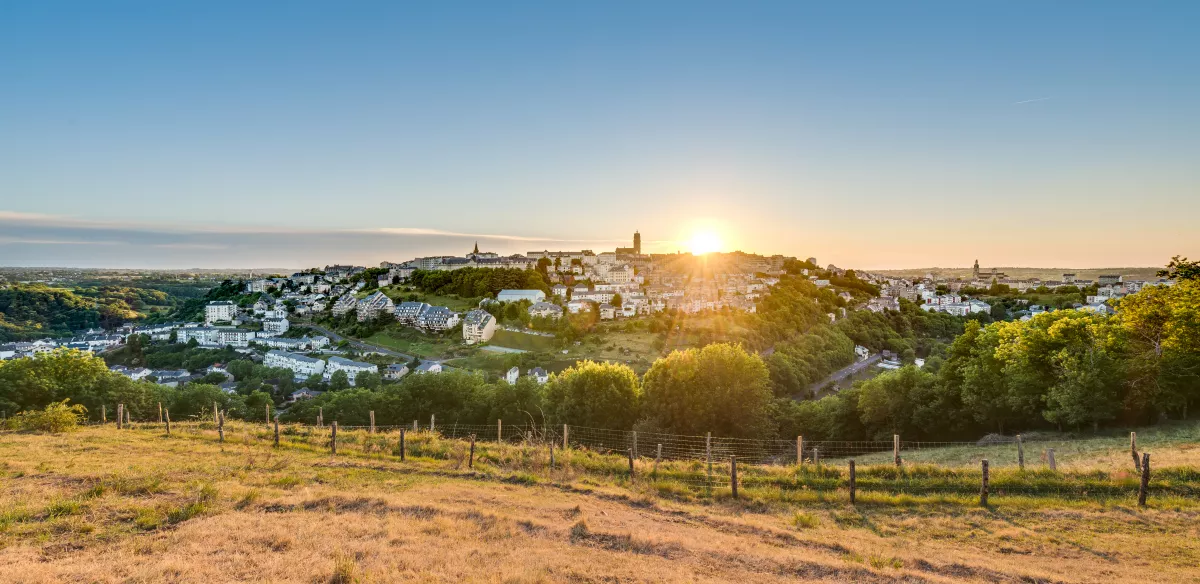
(1020, 452)
(1050, 458)
(1144, 488)
(1137, 464)
(401, 444)
(168, 416)
(276, 432)
(896, 448)
(566, 433)
(852, 483)
(983, 492)
(733, 482)
(657, 457)
(333, 438)
(471, 460)
(799, 450)
(372, 413)
(221, 426)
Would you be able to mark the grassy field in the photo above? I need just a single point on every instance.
(413, 342)
(523, 341)
(101, 505)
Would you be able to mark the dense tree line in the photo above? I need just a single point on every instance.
(34, 311)
(478, 282)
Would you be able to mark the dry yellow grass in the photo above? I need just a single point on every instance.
(107, 506)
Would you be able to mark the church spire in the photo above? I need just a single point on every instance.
(476, 248)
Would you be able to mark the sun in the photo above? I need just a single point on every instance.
(705, 242)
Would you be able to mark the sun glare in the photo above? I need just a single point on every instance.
(705, 242)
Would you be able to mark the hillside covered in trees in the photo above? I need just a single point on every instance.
(32, 311)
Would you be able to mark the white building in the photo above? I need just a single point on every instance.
(559, 291)
(407, 312)
(478, 327)
(512, 375)
(344, 304)
(518, 295)
(219, 311)
(375, 305)
(539, 375)
(275, 325)
(545, 309)
(429, 367)
(395, 371)
(352, 368)
(301, 365)
(215, 336)
(437, 318)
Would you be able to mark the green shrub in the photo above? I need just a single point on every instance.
(56, 418)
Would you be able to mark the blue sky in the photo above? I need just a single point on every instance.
(869, 134)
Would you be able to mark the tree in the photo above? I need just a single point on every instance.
(1181, 269)
(519, 402)
(617, 301)
(888, 403)
(603, 395)
(720, 389)
(339, 381)
(1089, 382)
(368, 380)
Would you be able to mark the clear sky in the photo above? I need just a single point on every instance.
(869, 134)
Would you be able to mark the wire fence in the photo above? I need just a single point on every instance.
(784, 469)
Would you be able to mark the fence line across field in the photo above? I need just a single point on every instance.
(717, 459)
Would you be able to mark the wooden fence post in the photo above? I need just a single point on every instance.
(160, 412)
(372, 413)
(657, 457)
(817, 459)
(1020, 452)
(499, 430)
(550, 444)
(799, 450)
(414, 425)
(1050, 458)
(631, 465)
(216, 416)
(276, 432)
(471, 460)
(401, 444)
(1144, 488)
(853, 486)
(129, 417)
(733, 482)
(320, 417)
(432, 422)
(896, 448)
(635, 450)
(221, 426)
(333, 438)
(120, 415)
(708, 453)
(168, 416)
(103, 415)
(267, 407)
(566, 433)
(983, 492)
(1137, 464)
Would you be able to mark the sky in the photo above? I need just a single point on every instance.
(226, 134)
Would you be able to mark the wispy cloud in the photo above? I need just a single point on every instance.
(497, 236)
(36, 241)
(1030, 100)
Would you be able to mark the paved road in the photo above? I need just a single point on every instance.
(845, 372)
(357, 344)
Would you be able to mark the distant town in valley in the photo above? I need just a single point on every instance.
(505, 315)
